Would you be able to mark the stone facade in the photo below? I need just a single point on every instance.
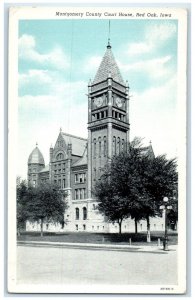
(76, 163)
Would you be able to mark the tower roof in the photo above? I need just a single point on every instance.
(108, 66)
(36, 157)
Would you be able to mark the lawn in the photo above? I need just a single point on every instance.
(98, 238)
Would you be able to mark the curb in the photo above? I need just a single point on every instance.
(154, 248)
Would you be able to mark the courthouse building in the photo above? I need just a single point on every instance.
(76, 163)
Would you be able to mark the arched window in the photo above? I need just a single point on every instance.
(105, 150)
(118, 145)
(100, 146)
(60, 156)
(94, 148)
(114, 145)
(122, 145)
(84, 213)
(77, 213)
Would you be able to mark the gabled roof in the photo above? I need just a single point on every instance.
(78, 143)
(46, 169)
(83, 160)
(108, 65)
(148, 150)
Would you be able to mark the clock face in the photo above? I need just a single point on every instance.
(119, 102)
(98, 101)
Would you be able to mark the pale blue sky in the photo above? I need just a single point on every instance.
(58, 57)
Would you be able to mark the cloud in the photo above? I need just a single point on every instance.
(91, 64)
(155, 36)
(154, 69)
(27, 51)
(159, 33)
(139, 48)
(153, 115)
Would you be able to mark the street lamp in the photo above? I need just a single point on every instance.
(165, 207)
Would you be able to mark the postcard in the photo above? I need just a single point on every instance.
(97, 150)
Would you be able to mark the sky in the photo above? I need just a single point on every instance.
(56, 60)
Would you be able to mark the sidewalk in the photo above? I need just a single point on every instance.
(109, 247)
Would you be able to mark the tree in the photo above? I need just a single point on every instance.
(160, 179)
(45, 203)
(21, 198)
(134, 184)
(119, 188)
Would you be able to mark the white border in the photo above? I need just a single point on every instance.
(45, 13)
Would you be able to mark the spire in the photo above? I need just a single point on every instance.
(108, 65)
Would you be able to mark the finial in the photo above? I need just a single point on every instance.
(89, 84)
(51, 146)
(127, 84)
(60, 129)
(109, 46)
(150, 142)
(36, 144)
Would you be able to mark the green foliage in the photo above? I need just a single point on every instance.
(134, 184)
(43, 203)
(21, 197)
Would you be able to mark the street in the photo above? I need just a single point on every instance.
(58, 265)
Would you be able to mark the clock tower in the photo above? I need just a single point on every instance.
(108, 117)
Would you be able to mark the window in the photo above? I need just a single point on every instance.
(105, 146)
(77, 227)
(60, 143)
(64, 183)
(76, 177)
(34, 170)
(82, 194)
(84, 213)
(60, 156)
(94, 173)
(77, 213)
(34, 183)
(59, 182)
(100, 145)
(114, 146)
(118, 145)
(122, 145)
(80, 178)
(84, 227)
(94, 148)
(76, 194)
